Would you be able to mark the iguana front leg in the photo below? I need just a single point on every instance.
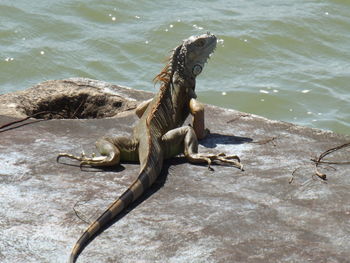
(112, 151)
(197, 111)
(184, 140)
(141, 108)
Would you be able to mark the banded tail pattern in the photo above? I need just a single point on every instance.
(143, 181)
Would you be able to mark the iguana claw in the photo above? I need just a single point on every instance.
(221, 157)
(231, 159)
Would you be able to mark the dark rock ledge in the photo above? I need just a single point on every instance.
(75, 98)
(277, 210)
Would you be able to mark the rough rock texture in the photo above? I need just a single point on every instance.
(75, 98)
(265, 214)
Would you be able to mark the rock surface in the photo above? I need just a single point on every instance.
(274, 211)
(75, 98)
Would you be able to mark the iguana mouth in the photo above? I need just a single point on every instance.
(210, 45)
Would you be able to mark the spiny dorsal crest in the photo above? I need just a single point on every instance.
(167, 72)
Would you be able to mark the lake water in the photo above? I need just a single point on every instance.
(285, 60)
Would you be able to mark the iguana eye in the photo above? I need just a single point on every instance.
(200, 42)
(197, 69)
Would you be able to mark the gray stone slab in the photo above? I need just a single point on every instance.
(191, 214)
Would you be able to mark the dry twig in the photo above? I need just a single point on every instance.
(265, 141)
(78, 215)
(238, 117)
(24, 119)
(319, 160)
(78, 108)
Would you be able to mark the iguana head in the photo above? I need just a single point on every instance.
(194, 53)
(189, 58)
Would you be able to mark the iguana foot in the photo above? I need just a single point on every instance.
(210, 158)
(93, 161)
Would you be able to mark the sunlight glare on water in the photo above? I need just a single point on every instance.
(285, 60)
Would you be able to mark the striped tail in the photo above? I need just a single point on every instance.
(145, 179)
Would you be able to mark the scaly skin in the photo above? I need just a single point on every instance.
(158, 134)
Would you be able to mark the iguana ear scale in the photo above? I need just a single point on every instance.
(197, 69)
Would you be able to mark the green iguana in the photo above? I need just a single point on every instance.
(158, 134)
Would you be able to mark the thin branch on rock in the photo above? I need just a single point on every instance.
(319, 160)
(24, 119)
(13, 122)
(329, 151)
(292, 177)
(265, 141)
(78, 215)
(237, 118)
(78, 108)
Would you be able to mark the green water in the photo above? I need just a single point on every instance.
(285, 60)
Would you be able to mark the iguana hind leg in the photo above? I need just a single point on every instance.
(184, 140)
(112, 150)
